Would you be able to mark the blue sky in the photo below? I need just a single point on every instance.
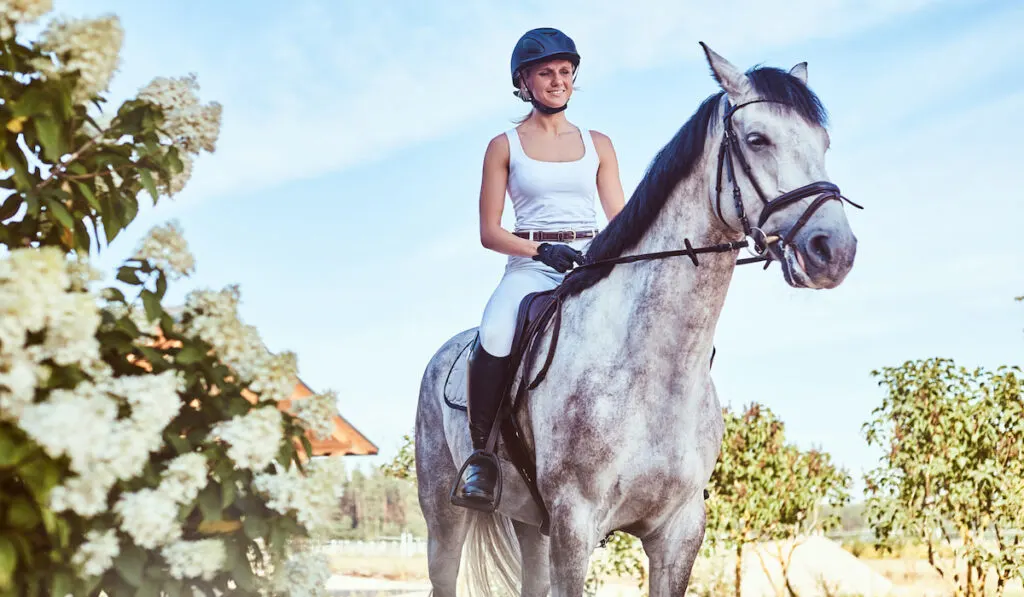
(343, 194)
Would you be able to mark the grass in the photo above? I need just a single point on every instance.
(385, 567)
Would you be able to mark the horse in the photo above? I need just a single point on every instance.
(626, 427)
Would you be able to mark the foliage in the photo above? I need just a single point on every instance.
(763, 489)
(622, 556)
(377, 504)
(952, 473)
(403, 465)
(140, 453)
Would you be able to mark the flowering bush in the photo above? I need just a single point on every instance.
(140, 453)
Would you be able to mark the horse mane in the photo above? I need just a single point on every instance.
(674, 162)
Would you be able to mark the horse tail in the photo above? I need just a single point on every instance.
(492, 558)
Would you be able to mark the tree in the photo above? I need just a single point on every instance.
(140, 453)
(763, 489)
(952, 470)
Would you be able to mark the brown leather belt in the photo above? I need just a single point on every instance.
(561, 236)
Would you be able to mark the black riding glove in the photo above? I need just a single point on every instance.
(558, 257)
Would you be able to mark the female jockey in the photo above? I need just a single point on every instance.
(553, 171)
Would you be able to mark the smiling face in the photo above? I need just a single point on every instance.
(549, 82)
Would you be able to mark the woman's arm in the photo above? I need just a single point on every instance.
(492, 203)
(609, 187)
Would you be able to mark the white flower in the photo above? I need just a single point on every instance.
(195, 559)
(213, 317)
(184, 477)
(82, 273)
(274, 378)
(90, 46)
(20, 11)
(154, 398)
(254, 438)
(304, 575)
(71, 422)
(70, 330)
(165, 248)
(96, 555)
(19, 376)
(34, 296)
(190, 126)
(177, 181)
(317, 413)
(312, 497)
(30, 279)
(149, 517)
(137, 313)
(85, 496)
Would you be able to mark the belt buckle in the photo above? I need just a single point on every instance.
(565, 238)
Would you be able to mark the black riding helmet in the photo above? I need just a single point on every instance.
(538, 45)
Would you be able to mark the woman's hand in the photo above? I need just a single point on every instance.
(558, 257)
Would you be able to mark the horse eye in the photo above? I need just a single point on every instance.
(758, 140)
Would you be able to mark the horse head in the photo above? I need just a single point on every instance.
(770, 182)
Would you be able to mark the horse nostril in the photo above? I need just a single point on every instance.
(819, 248)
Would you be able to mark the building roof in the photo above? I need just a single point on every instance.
(345, 440)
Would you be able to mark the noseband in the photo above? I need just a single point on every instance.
(731, 150)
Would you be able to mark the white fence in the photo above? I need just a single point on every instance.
(403, 546)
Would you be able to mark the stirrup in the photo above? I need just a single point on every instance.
(475, 504)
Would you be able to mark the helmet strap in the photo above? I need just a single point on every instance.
(547, 109)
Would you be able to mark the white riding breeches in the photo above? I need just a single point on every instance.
(522, 276)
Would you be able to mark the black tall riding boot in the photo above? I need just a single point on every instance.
(486, 378)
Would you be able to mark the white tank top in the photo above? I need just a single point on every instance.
(552, 195)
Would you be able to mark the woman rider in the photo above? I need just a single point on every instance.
(553, 171)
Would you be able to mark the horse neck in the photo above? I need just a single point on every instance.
(673, 306)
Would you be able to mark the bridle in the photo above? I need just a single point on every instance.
(759, 242)
(823, 191)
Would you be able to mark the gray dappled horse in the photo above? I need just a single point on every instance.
(626, 426)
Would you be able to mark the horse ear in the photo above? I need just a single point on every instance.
(800, 72)
(732, 80)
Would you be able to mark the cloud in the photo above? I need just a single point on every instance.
(335, 86)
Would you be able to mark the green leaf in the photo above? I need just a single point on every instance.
(209, 502)
(188, 355)
(21, 514)
(130, 565)
(8, 563)
(61, 584)
(40, 475)
(49, 135)
(90, 197)
(60, 212)
(152, 305)
(82, 240)
(129, 275)
(161, 286)
(147, 181)
(255, 527)
(149, 587)
(131, 208)
(13, 447)
(227, 492)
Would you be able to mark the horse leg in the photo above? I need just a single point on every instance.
(535, 549)
(673, 548)
(447, 525)
(573, 539)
